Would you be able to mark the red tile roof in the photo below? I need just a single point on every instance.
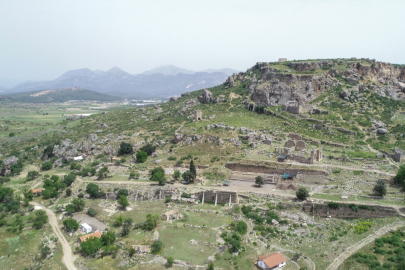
(273, 259)
(85, 237)
(37, 190)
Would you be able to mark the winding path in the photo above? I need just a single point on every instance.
(67, 250)
(342, 257)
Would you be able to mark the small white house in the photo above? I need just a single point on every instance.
(79, 158)
(272, 261)
(86, 228)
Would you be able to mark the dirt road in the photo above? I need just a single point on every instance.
(67, 250)
(351, 250)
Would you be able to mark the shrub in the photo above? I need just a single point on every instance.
(40, 219)
(302, 193)
(259, 180)
(141, 156)
(241, 227)
(71, 224)
(46, 166)
(333, 205)
(91, 212)
(68, 192)
(32, 175)
(380, 188)
(148, 148)
(172, 158)
(170, 261)
(157, 247)
(362, 227)
(176, 174)
(125, 149)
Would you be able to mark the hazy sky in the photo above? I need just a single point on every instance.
(43, 39)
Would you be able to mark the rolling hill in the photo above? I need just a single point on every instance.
(60, 95)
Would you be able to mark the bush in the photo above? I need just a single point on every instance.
(170, 261)
(32, 175)
(148, 148)
(68, 192)
(176, 174)
(141, 156)
(125, 149)
(71, 224)
(157, 247)
(40, 219)
(259, 180)
(302, 193)
(380, 188)
(241, 227)
(333, 205)
(171, 158)
(158, 175)
(46, 166)
(91, 212)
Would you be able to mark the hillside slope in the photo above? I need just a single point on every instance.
(60, 95)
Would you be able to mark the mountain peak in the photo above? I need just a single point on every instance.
(168, 70)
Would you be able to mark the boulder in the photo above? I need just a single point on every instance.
(382, 131)
(173, 99)
(7, 162)
(57, 163)
(206, 96)
(178, 137)
(111, 151)
(344, 93)
(92, 137)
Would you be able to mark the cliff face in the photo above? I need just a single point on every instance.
(271, 86)
(381, 70)
(278, 88)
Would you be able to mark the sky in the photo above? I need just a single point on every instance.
(40, 40)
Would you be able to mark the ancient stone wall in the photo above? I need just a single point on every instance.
(270, 170)
(222, 196)
(300, 145)
(345, 210)
(294, 136)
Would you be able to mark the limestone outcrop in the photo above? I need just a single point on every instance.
(7, 162)
(206, 97)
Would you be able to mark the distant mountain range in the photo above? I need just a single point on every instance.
(162, 81)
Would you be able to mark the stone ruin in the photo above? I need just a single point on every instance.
(294, 136)
(316, 155)
(398, 155)
(289, 144)
(197, 115)
(282, 59)
(343, 210)
(300, 145)
(281, 150)
(297, 108)
(218, 196)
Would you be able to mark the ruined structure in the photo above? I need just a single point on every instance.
(282, 59)
(218, 196)
(289, 144)
(398, 155)
(197, 115)
(295, 107)
(343, 210)
(300, 145)
(294, 136)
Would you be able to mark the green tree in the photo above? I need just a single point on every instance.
(108, 238)
(91, 212)
(5, 191)
(235, 243)
(126, 226)
(211, 266)
(148, 149)
(70, 208)
(29, 195)
(259, 180)
(69, 179)
(141, 156)
(241, 227)
(302, 193)
(157, 247)
(78, 204)
(188, 177)
(170, 261)
(68, 192)
(103, 172)
(193, 169)
(40, 219)
(158, 174)
(31, 175)
(151, 221)
(123, 201)
(94, 191)
(131, 252)
(122, 192)
(46, 166)
(71, 224)
(91, 246)
(380, 188)
(45, 251)
(125, 149)
(177, 174)
(400, 177)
